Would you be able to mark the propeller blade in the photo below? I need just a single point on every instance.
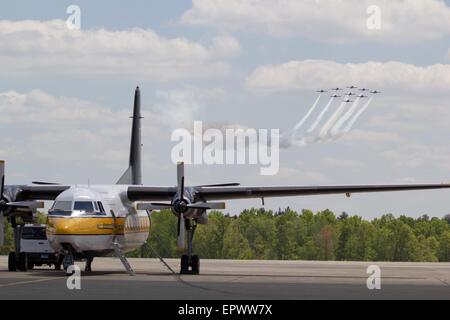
(207, 205)
(152, 206)
(232, 184)
(26, 204)
(182, 189)
(2, 176)
(180, 179)
(181, 233)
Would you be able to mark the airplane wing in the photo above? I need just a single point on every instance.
(38, 192)
(144, 193)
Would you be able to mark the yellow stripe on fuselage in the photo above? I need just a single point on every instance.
(85, 226)
(96, 225)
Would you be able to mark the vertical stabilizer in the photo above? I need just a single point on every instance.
(133, 175)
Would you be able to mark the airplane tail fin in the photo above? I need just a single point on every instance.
(133, 174)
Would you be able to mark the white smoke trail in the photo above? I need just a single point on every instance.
(357, 115)
(333, 119)
(322, 113)
(288, 138)
(345, 117)
(307, 115)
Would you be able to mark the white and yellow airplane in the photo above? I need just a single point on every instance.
(97, 220)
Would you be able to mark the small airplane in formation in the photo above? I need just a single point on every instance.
(361, 96)
(321, 91)
(375, 92)
(347, 101)
(352, 87)
(336, 89)
(87, 221)
(334, 96)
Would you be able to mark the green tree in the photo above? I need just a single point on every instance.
(235, 245)
(444, 247)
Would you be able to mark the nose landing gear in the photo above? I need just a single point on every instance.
(190, 264)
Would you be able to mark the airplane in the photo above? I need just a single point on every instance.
(375, 92)
(321, 91)
(361, 96)
(349, 94)
(336, 89)
(352, 87)
(347, 101)
(334, 96)
(364, 89)
(87, 221)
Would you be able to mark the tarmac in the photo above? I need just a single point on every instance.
(230, 280)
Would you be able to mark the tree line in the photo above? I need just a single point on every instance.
(288, 235)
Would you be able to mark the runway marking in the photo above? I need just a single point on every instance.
(26, 282)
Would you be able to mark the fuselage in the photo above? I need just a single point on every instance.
(86, 220)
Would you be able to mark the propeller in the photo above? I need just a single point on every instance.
(12, 207)
(180, 204)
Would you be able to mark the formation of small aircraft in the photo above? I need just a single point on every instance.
(349, 93)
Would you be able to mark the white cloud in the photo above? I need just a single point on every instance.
(341, 163)
(371, 138)
(66, 128)
(313, 74)
(411, 114)
(37, 107)
(327, 20)
(416, 155)
(49, 46)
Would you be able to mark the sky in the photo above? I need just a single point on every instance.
(66, 95)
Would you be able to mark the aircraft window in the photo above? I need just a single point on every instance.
(96, 206)
(100, 205)
(61, 208)
(83, 206)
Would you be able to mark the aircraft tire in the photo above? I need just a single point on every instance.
(195, 264)
(12, 261)
(184, 264)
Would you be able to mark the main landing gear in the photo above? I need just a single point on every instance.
(190, 264)
(88, 267)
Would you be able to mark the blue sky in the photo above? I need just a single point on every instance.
(65, 96)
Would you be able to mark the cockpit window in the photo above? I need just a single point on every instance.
(61, 208)
(83, 206)
(62, 205)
